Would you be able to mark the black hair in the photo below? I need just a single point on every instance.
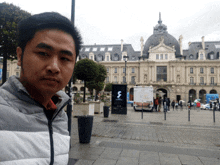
(48, 20)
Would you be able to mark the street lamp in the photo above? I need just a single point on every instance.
(125, 59)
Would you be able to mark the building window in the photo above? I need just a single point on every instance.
(17, 74)
(201, 70)
(202, 80)
(162, 73)
(166, 56)
(107, 79)
(110, 48)
(133, 79)
(87, 49)
(94, 49)
(132, 70)
(201, 56)
(212, 80)
(107, 58)
(102, 49)
(212, 70)
(191, 56)
(191, 70)
(115, 79)
(107, 70)
(123, 70)
(212, 56)
(157, 56)
(17, 67)
(124, 80)
(115, 70)
(191, 80)
(161, 56)
(91, 57)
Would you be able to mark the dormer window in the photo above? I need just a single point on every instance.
(110, 48)
(191, 56)
(102, 49)
(87, 49)
(211, 56)
(94, 49)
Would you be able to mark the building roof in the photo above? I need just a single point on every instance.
(154, 40)
(212, 47)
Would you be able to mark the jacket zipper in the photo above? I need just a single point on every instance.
(50, 127)
(51, 142)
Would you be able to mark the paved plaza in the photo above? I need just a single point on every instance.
(131, 140)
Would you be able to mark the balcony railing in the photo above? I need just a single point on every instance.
(202, 83)
(132, 82)
(192, 83)
(213, 84)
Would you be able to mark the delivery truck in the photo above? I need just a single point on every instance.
(143, 98)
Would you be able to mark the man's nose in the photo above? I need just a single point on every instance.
(53, 66)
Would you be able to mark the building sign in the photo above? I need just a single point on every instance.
(119, 99)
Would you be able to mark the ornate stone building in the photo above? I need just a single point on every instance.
(162, 63)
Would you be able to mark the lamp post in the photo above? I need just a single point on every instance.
(125, 59)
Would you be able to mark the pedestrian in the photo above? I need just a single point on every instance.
(176, 105)
(173, 104)
(160, 101)
(156, 103)
(33, 123)
(181, 104)
(210, 103)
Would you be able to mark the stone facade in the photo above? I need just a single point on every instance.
(162, 63)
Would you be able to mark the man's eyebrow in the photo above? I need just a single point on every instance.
(44, 46)
(67, 52)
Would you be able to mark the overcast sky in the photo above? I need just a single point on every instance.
(107, 22)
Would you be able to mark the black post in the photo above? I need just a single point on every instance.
(165, 115)
(189, 113)
(69, 106)
(214, 112)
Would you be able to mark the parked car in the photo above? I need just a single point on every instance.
(205, 106)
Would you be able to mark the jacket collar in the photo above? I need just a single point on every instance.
(16, 88)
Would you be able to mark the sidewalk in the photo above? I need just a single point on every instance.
(128, 139)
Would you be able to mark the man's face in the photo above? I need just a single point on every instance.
(48, 61)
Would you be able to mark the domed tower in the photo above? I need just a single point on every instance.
(160, 32)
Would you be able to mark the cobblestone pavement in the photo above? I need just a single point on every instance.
(128, 139)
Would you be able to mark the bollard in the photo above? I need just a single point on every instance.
(165, 115)
(214, 112)
(189, 114)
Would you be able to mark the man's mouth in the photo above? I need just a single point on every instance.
(51, 79)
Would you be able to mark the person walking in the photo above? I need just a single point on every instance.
(156, 104)
(160, 101)
(173, 104)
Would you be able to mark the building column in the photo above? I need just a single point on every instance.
(207, 73)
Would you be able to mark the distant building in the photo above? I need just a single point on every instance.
(162, 63)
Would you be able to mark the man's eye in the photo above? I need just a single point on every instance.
(65, 59)
(43, 53)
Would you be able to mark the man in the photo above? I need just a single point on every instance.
(33, 125)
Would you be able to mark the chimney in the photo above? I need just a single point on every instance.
(203, 42)
(121, 45)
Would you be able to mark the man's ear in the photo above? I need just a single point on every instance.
(19, 53)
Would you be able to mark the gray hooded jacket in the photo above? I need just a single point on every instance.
(27, 136)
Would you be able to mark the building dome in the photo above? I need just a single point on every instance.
(154, 40)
